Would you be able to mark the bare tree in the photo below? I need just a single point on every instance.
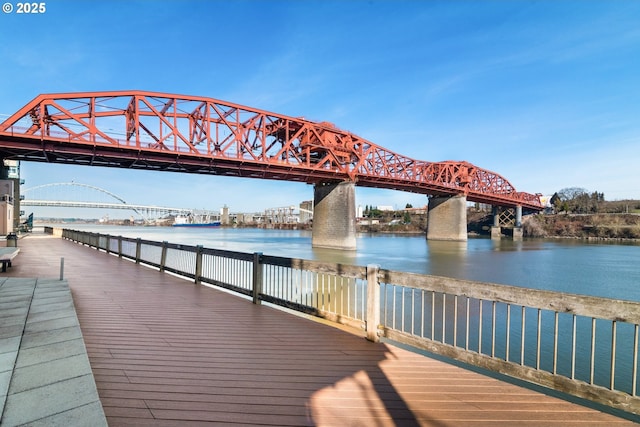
(577, 200)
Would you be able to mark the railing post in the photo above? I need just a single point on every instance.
(257, 277)
(373, 302)
(163, 256)
(119, 246)
(138, 249)
(198, 264)
(108, 248)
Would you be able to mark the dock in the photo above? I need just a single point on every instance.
(164, 351)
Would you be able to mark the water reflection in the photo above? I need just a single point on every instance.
(444, 257)
(437, 247)
(335, 256)
(506, 245)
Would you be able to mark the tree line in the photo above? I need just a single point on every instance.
(580, 201)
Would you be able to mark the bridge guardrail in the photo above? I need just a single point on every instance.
(580, 345)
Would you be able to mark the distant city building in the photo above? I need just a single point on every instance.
(418, 211)
(385, 208)
(368, 221)
(12, 168)
(306, 211)
(11, 197)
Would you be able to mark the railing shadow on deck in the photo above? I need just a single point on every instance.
(358, 384)
(579, 345)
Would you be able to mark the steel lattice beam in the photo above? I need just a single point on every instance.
(146, 130)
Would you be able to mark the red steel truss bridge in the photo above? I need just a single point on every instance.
(159, 131)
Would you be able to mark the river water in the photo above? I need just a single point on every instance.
(609, 270)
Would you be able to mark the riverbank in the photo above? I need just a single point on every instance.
(590, 227)
(616, 227)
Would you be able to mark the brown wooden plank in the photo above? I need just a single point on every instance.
(166, 352)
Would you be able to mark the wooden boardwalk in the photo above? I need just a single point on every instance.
(165, 352)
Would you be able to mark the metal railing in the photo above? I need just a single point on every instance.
(332, 291)
(581, 345)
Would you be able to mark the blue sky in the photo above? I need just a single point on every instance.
(545, 93)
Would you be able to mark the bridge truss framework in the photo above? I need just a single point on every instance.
(158, 131)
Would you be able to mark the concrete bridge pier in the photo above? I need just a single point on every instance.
(517, 228)
(496, 230)
(511, 219)
(334, 215)
(447, 218)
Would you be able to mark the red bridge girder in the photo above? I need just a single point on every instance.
(159, 131)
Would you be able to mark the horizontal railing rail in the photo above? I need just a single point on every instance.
(580, 345)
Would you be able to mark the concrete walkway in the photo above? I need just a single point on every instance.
(45, 375)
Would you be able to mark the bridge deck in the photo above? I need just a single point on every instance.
(165, 352)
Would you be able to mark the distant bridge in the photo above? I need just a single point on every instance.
(34, 196)
(51, 195)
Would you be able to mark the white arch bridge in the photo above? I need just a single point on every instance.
(75, 195)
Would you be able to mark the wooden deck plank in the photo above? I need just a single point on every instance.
(166, 352)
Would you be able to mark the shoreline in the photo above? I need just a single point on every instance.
(410, 233)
